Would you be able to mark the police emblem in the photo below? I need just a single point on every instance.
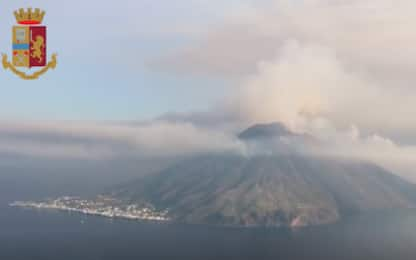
(29, 45)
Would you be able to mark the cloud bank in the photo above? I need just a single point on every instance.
(100, 141)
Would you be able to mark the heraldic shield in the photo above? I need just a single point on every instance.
(29, 44)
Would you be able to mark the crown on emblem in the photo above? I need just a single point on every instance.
(29, 16)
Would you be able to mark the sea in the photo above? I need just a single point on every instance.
(29, 234)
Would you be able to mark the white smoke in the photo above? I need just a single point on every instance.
(309, 90)
(306, 82)
(323, 68)
(363, 51)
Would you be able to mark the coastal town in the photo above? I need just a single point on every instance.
(101, 206)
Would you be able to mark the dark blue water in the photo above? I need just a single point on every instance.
(43, 235)
(30, 234)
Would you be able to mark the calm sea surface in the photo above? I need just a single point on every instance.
(29, 234)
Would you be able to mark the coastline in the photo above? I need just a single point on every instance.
(97, 208)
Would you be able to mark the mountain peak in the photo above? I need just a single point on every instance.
(265, 131)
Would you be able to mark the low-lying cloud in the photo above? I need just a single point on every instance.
(88, 140)
(350, 143)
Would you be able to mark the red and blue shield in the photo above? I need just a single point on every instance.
(29, 46)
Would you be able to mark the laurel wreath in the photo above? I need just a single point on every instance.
(51, 65)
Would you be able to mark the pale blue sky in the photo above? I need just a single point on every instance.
(103, 49)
